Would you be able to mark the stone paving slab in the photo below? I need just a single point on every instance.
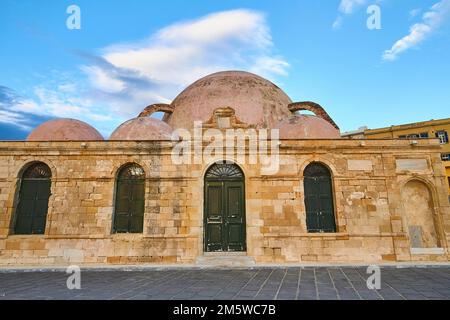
(292, 283)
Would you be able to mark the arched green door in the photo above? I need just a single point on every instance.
(224, 222)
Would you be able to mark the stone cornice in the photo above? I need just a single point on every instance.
(164, 147)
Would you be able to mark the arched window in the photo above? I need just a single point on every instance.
(32, 205)
(130, 200)
(319, 199)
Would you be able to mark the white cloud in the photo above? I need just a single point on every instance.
(127, 77)
(414, 12)
(45, 102)
(55, 104)
(273, 65)
(67, 87)
(431, 20)
(337, 23)
(243, 26)
(157, 68)
(9, 117)
(102, 80)
(11, 106)
(346, 7)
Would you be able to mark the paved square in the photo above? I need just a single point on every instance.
(241, 284)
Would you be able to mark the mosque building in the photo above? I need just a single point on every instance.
(68, 196)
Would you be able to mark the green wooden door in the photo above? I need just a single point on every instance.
(130, 200)
(234, 216)
(225, 212)
(32, 207)
(319, 199)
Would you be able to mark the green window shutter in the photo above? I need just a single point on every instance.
(130, 200)
(319, 202)
(34, 194)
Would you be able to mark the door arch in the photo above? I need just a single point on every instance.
(319, 202)
(224, 208)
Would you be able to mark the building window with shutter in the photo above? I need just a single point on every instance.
(319, 201)
(130, 200)
(32, 202)
(442, 136)
(422, 135)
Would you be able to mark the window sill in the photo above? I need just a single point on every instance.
(74, 236)
(175, 236)
(51, 237)
(25, 236)
(344, 235)
(126, 235)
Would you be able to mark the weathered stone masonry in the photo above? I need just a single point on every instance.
(369, 181)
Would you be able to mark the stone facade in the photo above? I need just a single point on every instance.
(373, 220)
(412, 131)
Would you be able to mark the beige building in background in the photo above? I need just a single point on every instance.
(69, 197)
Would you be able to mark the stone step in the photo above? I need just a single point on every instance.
(225, 259)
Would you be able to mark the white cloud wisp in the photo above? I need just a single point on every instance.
(126, 77)
(419, 32)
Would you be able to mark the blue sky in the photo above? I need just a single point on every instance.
(129, 54)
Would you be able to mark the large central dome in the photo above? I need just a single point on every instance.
(225, 100)
(255, 100)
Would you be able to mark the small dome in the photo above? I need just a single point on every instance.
(143, 128)
(64, 130)
(257, 101)
(307, 127)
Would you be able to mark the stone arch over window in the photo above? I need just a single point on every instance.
(32, 201)
(418, 205)
(130, 199)
(319, 202)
